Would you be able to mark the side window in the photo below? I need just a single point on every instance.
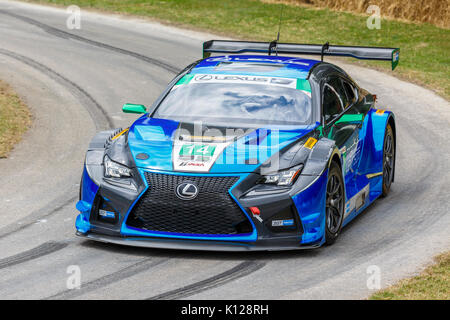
(332, 104)
(350, 91)
(337, 85)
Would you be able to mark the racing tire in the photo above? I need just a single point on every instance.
(334, 206)
(388, 160)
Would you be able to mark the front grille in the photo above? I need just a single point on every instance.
(213, 211)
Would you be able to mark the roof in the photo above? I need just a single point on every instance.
(275, 66)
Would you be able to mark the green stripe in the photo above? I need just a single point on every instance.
(186, 79)
(304, 85)
(350, 118)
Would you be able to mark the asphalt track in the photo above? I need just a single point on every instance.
(75, 82)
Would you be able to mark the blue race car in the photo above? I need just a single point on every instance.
(243, 152)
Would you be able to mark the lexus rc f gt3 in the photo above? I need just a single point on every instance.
(243, 152)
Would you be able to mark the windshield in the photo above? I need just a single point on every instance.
(237, 103)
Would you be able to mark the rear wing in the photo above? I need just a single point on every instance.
(366, 53)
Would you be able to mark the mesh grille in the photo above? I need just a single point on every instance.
(213, 211)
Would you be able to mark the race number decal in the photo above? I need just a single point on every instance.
(196, 157)
(192, 150)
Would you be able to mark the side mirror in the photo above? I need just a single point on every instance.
(133, 108)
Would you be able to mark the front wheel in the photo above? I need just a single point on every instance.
(388, 160)
(334, 208)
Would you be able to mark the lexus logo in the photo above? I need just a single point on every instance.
(186, 191)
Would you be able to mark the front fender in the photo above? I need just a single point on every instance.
(309, 192)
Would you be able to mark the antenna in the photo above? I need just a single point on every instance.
(274, 43)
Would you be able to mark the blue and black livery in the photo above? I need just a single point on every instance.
(243, 152)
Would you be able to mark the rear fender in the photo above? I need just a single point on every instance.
(371, 164)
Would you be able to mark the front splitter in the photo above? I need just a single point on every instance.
(201, 245)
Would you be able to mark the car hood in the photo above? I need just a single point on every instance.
(167, 145)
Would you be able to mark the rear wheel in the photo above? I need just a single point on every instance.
(388, 160)
(334, 204)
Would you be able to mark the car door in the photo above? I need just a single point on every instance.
(342, 122)
(353, 118)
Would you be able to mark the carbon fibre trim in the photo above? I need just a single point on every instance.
(201, 245)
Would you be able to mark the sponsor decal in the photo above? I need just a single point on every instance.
(379, 111)
(396, 55)
(294, 83)
(229, 78)
(191, 164)
(282, 223)
(198, 157)
(192, 150)
(106, 214)
(309, 144)
(351, 154)
(199, 151)
(357, 201)
(195, 156)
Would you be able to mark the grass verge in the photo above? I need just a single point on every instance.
(424, 57)
(432, 284)
(15, 119)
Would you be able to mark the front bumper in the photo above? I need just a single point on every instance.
(303, 206)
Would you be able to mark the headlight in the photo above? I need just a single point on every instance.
(283, 178)
(115, 170)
